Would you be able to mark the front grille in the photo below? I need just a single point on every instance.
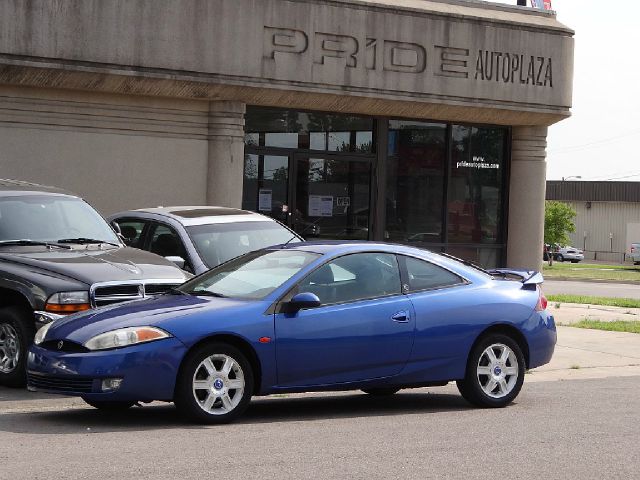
(66, 346)
(60, 384)
(157, 289)
(110, 293)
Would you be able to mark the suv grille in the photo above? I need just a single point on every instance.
(60, 384)
(109, 293)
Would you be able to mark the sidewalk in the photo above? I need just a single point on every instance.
(568, 313)
(582, 353)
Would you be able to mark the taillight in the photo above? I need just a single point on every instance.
(542, 301)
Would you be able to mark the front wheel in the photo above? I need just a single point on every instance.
(560, 258)
(16, 334)
(495, 372)
(215, 384)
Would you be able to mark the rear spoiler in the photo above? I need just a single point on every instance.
(529, 278)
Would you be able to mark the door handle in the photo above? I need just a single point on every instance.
(401, 317)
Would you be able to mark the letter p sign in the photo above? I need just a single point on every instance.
(284, 40)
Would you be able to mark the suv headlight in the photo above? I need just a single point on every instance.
(68, 302)
(124, 337)
(41, 333)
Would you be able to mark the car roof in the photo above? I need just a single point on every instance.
(9, 186)
(346, 246)
(201, 215)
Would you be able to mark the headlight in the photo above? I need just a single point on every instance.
(41, 333)
(68, 302)
(124, 337)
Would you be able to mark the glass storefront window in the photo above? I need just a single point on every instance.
(271, 127)
(415, 182)
(444, 185)
(476, 185)
(266, 184)
(332, 198)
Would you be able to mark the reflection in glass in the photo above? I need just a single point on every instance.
(282, 140)
(476, 185)
(266, 183)
(332, 198)
(484, 257)
(272, 127)
(415, 182)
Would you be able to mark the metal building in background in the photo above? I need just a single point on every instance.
(608, 216)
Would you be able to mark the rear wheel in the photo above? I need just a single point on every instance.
(109, 406)
(16, 334)
(215, 384)
(381, 392)
(495, 372)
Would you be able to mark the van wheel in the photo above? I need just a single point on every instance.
(215, 384)
(495, 372)
(16, 335)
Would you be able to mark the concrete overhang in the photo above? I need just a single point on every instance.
(466, 61)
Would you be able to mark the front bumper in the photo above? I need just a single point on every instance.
(148, 371)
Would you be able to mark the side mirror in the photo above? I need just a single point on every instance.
(179, 261)
(303, 300)
(116, 227)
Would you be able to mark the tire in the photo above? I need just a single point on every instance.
(381, 392)
(106, 406)
(225, 378)
(16, 335)
(501, 380)
(575, 261)
(559, 257)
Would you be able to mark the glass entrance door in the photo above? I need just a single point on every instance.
(331, 197)
(266, 185)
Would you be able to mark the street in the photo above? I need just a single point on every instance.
(598, 289)
(577, 417)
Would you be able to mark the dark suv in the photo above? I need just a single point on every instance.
(59, 256)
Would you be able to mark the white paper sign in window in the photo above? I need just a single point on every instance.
(320, 205)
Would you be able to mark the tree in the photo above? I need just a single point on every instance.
(558, 222)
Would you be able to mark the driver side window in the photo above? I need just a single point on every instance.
(354, 277)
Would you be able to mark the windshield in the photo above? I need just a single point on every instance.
(216, 243)
(252, 276)
(50, 218)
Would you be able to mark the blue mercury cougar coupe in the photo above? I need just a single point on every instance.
(305, 317)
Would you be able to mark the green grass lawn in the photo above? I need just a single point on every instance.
(617, 326)
(591, 271)
(607, 301)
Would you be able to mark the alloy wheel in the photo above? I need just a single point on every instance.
(9, 348)
(218, 384)
(497, 370)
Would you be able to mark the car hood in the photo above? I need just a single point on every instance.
(90, 264)
(165, 312)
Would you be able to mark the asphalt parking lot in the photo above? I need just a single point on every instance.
(578, 417)
(584, 429)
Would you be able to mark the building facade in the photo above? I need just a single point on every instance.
(414, 121)
(607, 216)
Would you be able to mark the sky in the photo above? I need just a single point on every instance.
(601, 140)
